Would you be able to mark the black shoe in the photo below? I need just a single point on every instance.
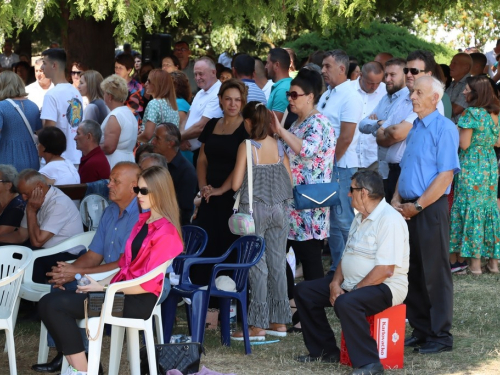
(413, 341)
(52, 366)
(370, 369)
(434, 347)
(326, 358)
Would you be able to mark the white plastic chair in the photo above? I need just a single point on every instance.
(133, 326)
(13, 262)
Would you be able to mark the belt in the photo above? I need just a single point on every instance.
(413, 200)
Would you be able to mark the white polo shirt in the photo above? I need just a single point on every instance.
(36, 93)
(381, 239)
(205, 104)
(367, 148)
(343, 104)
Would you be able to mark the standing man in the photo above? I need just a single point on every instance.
(205, 105)
(94, 165)
(183, 53)
(7, 58)
(278, 62)
(341, 103)
(37, 90)
(244, 70)
(62, 106)
(264, 83)
(421, 197)
(372, 89)
(460, 68)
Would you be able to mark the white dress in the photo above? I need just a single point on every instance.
(128, 136)
(62, 171)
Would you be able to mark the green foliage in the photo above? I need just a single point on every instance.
(365, 43)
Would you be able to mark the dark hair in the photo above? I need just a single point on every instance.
(174, 59)
(181, 84)
(310, 81)
(244, 65)
(371, 181)
(144, 72)
(144, 148)
(426, 56)
(479, 58)
(316, 58)
(126, 60)
(234, 83)
(224, 70)
(352, 68)
(482, 95)
(181, 42)
(260, 118)
(294, 62)
(446, 74)
(172, 132)
(53, 139)
(56, 54)
(396, 61)
(281, 56)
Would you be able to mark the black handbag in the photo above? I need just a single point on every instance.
(184, 357)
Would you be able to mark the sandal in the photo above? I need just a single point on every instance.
(254, 334)
(276, 329)
(487, 269)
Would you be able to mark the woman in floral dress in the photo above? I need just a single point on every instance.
(475, 219)
(310, 146)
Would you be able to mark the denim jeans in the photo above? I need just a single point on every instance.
(341, 219)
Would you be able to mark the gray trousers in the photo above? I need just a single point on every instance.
(268, 288)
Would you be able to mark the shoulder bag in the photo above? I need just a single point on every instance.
(243, 224)
(33, 137)
(184, 357)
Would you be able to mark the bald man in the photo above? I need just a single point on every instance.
(460, 68)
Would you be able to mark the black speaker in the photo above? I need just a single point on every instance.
(155, 47)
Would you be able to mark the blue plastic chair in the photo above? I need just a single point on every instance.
(249, 251)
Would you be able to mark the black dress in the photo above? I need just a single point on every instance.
(221, 151)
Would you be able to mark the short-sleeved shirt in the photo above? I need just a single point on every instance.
(160, 111)
(457, 96)
(63, 105)
(58, 215)
(96, 110)
(343, 104)
(277, 99)
(114, 230)
(381, 239)
(183, 105)
(62, 172)
(254, 92)
(431, 148)
(205, 104)
(94, 166)
(185, 184)
(36, 93)
(13, 213)
(189, 71)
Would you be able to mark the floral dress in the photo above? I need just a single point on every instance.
(475, 219)
(159, 111)
(135, 101)
(313, 165)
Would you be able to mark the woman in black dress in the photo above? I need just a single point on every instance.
(220, 141)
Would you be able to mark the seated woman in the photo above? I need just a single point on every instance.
(155, 239)
(11, 203)
(57, 171)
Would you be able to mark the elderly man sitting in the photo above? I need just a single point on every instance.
(371, 277)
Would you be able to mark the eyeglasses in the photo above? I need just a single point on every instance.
(293, 95)
(413, 71)
(353, 188)
(143, 191)
(75, 72)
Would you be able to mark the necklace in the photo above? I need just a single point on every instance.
(228, 126)
(307, 116)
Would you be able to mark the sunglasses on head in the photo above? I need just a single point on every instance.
(293, 95)
(75, 72)
(143, 191)
(413, 71)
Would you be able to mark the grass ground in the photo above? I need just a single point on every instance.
(476, 330)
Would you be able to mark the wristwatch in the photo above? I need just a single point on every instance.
(418, 206)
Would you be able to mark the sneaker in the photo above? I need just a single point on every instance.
(73, 371)
(463, 265)
(455, 267)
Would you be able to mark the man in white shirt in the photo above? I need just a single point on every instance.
(372, 276)
(7, 58)
(37, 90)
(372, 89)
(62, 106)
(341, 103)
(205, 105)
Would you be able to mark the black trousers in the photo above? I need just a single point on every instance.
(391, 182)
(430, 291)
(351, 308)
(44, 264)
(59, 312)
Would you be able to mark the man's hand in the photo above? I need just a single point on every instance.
(36, 199)
(185, 146)
(61, 274)
(335, 291)
(408, 210)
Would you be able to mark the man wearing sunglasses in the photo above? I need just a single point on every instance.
(393, 131)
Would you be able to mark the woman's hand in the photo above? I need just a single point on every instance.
(276, 127)
(213, 192)
(94, 286)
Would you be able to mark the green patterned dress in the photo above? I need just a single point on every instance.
(475, 219)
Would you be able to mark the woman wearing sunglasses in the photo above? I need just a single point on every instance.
(154, 240)
(310, 146)
(163, 107)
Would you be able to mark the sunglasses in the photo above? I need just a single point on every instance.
(75, 72)
(293, 95)
(353, 188)
(143, 191)
(413, 71)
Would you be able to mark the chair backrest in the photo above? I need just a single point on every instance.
(249, 250)
(13, 262)
(195, 240)
(91, 209)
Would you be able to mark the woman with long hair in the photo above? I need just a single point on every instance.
(154, 240)
(90, 87)
(163, 107)
(475, 219)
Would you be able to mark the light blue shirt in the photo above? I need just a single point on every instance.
(431, 148)
(254, 92)
(113, 231)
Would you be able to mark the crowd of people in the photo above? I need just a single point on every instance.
(407, 140)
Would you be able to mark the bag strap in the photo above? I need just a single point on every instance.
(87, 330)
(248, 145)
(24, 119)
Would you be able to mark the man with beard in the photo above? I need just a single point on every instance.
(278, 62)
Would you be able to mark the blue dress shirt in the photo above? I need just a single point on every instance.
(113, 231)
(431, 148)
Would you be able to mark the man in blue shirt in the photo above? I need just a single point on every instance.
(427, 168)
(109, 241)
(244, 69)
(278, 62)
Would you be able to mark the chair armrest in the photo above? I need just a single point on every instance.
(102, 275)
(191, 261)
